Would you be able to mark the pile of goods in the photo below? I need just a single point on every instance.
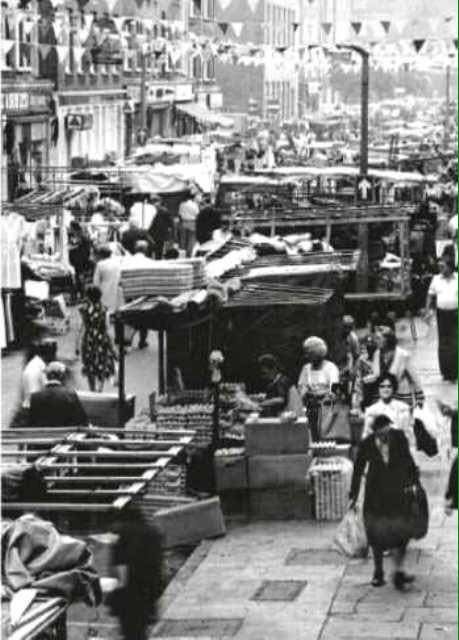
(196, 417)
(170, 482)
(328, 449)
(165, 278)
(330, 481)
(199, 271)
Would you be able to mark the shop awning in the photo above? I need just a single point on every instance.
(204, 115)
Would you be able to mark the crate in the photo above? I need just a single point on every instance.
(169, 482)
(102, 408)
(230, 470)
(329, 481)
(281, 503)
(269, 436)
(266, 472)
(330, 449)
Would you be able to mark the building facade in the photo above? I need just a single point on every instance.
(269, 91)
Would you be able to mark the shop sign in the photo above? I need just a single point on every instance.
(24, 101)
(79, 121)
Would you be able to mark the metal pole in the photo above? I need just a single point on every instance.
(119, 333)
(448, 99)
(143, 92)
(364, 113)
(161, 355)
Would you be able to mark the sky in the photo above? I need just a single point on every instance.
(406, 8)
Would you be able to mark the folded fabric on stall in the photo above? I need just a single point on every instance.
(167, 279)
(35, 555)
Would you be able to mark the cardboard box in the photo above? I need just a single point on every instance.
(268, 436)
(267, 472)
(282, 503)
(191, 523)
(230, 472)
(102, 408)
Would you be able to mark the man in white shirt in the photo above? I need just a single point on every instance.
(139, 260)
(143, 213)
(33, 377)
(188, 213)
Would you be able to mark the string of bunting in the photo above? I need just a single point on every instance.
(114, 32)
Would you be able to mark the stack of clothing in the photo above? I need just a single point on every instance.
(165, 278)
(199, 271)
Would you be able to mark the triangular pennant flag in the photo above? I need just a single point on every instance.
(88, 20)
(111, 5)
(78, 54)
(356, 26)
(253, 5)
(281, 49)
(224, 27)
(295, 25)
(224, 4)
(326, 26)
(455, 42)
(44, 50)
(6, 46)
(119, 22)
(56, 3)
(237, 28)
(58, 27)
(418, 44)
(385, 25)
(449, 19)
(62, 52)
(28, 25)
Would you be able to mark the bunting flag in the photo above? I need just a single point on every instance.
(28, 26)
(78, 53)
(88, 20)
(119, 23)
(224, 4)
(356, 26)
(44, 50)
(455, 43)
(62, 53)
(253, 5)
(326, 26)
(6, 46)
(223, 27)
(295, 25)
(281, 49)
(237, 28)
(58, 27)
(385, 24)
(418, 44)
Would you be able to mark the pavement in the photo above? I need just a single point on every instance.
(272, 580)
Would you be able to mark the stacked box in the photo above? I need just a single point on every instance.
(329, 480)
(197, 417)
(278, 462)
(330, 449)
(171, 481)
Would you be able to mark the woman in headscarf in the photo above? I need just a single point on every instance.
(390, 473)
(318, 379)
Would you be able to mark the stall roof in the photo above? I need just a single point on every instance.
(347, 171)
(168, 178)
(205, 115)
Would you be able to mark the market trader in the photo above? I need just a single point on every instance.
(277, 386)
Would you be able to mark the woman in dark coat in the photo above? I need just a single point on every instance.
(391, 472)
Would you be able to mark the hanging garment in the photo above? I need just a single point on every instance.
(3, 343)
(12, 233)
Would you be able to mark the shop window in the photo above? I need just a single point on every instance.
(210, 69)
(196, 9)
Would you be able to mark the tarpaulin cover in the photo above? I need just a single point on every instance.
(168, 178)
(36, 555)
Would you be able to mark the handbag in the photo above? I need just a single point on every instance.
(424, 440)
(418, 511)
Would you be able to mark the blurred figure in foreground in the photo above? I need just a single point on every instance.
(138, 561)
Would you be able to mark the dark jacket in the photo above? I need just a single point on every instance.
(130, 237)
(56, 406)
(278, 388)
(385, 483)
(207, 221)
(162, 227)
(451, 489)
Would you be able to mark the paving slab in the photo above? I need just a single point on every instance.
(438, 631)
(354, 628)
(441, 615)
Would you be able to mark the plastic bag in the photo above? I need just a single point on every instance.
(351, 538)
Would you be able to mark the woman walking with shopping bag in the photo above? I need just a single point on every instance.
(391, 481)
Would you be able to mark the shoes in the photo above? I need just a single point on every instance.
(378, 580)
(143, 345)
(401, 579)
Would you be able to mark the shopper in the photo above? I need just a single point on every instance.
(56, 405)
(134, 234)
(161, 229)
(388, 405)
(188, 214)
(143, 212)
(138, 560)
(141, 260)
(34, 376)
(97, 351)
(397, 361)
(442, 294)
(318, 379)
(277, 386)
(390, 472)
(79, 256)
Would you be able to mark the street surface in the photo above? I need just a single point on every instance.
(322, 596)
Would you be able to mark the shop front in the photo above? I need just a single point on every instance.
(26, 134)
(91, 127)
